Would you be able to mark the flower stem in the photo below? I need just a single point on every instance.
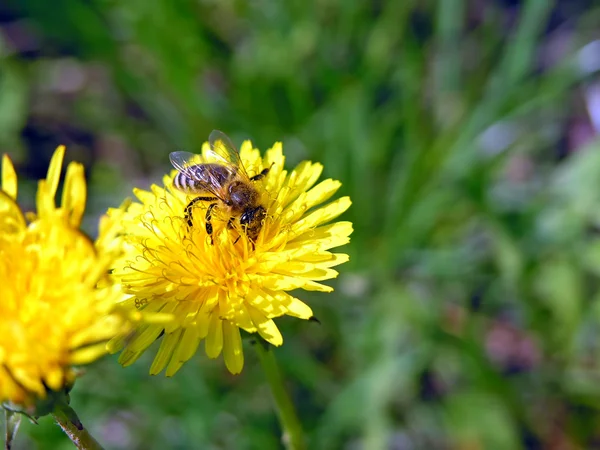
(293, 436)
(67, 419)
(13, 420)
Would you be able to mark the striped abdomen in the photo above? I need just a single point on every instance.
(202, 177)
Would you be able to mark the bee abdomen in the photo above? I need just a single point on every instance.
(201, 177)
(186, 184)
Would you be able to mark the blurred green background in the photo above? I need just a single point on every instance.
(465, 133)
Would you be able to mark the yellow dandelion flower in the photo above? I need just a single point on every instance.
(213, 290)
(53, 314)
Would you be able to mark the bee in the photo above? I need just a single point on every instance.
(224, 183)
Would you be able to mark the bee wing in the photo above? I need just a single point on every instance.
(182, 161)
(211, 180)
(224, 150)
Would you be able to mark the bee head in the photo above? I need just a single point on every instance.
(251, 221)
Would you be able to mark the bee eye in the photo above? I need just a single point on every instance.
(245, 218)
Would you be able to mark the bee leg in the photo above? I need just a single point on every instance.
(230, 226)
(188, 209)
(249, 240)
(261, 175)
(209, 227)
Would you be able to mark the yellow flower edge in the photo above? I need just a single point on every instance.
(57, 308)
(214, 290)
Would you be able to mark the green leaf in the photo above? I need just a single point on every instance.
(477, 419)
(558, 283)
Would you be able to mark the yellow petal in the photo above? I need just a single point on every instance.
(117, 343)
(305, 270)
(275, 155)
(128, 357)
(165, 351)
(274, 160)
(318, 287)
(214, 340)
(144, 337)
(321, 238)
(203, 324)
(54, 170)
(187, 345)
(322, 215)
(278, 282)
(30, 380)
(74, 194)
(9, 178)
(302, 178)
(325, 259)
(266, 327)
(54, 378)
(81, 337)
(318, 194)
(250, 157)
(11, 218)
(173, 367)
(144, 196)
(243, 320)
(232, 348)
(295, 307)
(44, 200)
(88, 354)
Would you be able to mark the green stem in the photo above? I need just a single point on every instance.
(67, 419)
(293, 436)
(13, 420)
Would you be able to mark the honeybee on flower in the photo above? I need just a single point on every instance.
(224, 183)
(232, 266)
